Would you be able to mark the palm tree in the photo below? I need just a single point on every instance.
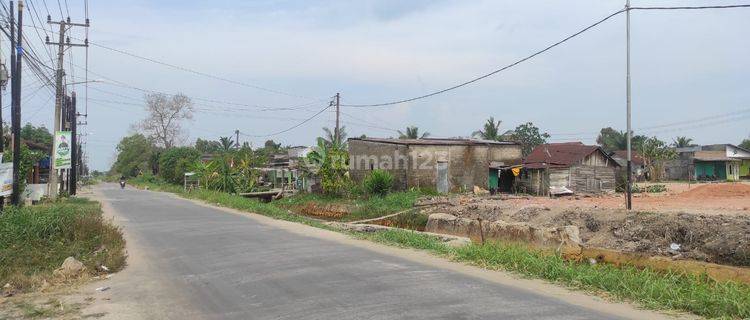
(226, 144)
(412, 133)
(682, 142)
(330, 136)
(491, 130)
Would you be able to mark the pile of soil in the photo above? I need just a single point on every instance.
(325, 211)
(723, 190)
(712, 238)
(716, 238)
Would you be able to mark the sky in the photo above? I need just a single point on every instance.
(690, 69)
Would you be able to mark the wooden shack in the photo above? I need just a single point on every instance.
(573, 165)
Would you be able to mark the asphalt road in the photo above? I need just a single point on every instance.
(192, 261)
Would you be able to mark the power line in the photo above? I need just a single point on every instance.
(200, 73)
(517, 62)
(258, 108)
(193, 71)
(60, 7)
(731, 6)
(227, 113)
(671, 124)
(680, 129)
(290, 128)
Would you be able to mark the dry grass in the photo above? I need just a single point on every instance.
(34, 241)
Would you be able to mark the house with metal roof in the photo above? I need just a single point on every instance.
(713, 162)
(451, 164)
(573, 166)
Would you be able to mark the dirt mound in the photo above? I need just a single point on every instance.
(323, 211)
(718, 190)
(718, 238)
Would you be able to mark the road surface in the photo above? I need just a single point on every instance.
(191, 261)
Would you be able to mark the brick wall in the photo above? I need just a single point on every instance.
(468, 165)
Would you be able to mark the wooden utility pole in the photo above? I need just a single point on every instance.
(62, 45)
(15, 112)
(337, 135)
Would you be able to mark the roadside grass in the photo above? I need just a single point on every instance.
(35, 240)
(360, 207)
(699, 295)
(654, 290)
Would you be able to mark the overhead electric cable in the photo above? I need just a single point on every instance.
(517, 62)
(290, 128)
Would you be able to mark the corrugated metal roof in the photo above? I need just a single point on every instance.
(623, 154)
(435, 141)
(713, 156)
(560, 155)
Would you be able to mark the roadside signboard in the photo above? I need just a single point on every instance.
(62, 150)
(6, 179)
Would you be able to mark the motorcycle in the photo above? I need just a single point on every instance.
(122, 184)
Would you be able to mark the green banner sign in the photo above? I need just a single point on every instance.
(62, 149)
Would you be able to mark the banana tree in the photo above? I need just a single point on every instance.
(225, 175)
(204, 172)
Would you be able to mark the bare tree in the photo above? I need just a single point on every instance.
(165, 115)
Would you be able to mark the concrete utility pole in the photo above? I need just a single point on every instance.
(237, 138)
(3, 81)
(337, 135)
(62, 45)
(629, 188)
(73, 178)
(15, 197)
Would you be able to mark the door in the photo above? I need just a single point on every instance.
(493, 183)
(442, 177)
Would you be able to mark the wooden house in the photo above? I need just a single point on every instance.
(575, 166)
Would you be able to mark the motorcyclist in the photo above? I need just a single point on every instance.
(122, 182)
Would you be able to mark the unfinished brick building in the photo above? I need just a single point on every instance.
(443, 164)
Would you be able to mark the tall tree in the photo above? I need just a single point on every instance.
(175, 162)
(682, 142)
(412, 133)
(207, 146)
(134, 155)
(165, 116)
(39, 135)
(745, 144)
(529, 137)
(490, 131)
(612, 140)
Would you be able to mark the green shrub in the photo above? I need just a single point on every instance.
(379, 183)
(655, 188)
(333, 172)
(174, 162)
